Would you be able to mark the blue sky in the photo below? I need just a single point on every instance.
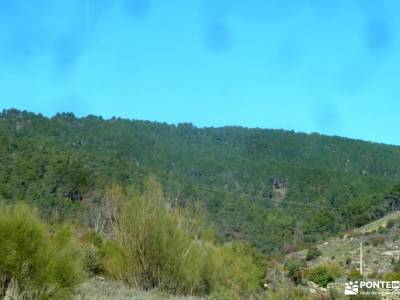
(330, 66)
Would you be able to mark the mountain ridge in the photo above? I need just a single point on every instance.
(247, 179)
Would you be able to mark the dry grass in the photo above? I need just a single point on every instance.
(97, 290)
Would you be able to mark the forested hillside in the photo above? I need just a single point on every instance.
(276, 189)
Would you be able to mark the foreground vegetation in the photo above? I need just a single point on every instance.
(149, 249)
(157, 246)
(36, 261)
(148, 245)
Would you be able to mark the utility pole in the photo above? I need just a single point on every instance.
(361, 257)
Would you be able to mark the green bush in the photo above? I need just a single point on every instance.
(354, 274)
(392, 276)
(313, 253)
(295, 269)
(324, 274)
(157, 247)
(348, 260)
(154, 248)
(376, 240)
(382, 230)
(34, 261)
(92, 243)
(91, 260)
(236, 267)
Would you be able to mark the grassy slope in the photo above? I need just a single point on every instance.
(376, 258)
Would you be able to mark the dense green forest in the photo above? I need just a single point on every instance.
(278, 190)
